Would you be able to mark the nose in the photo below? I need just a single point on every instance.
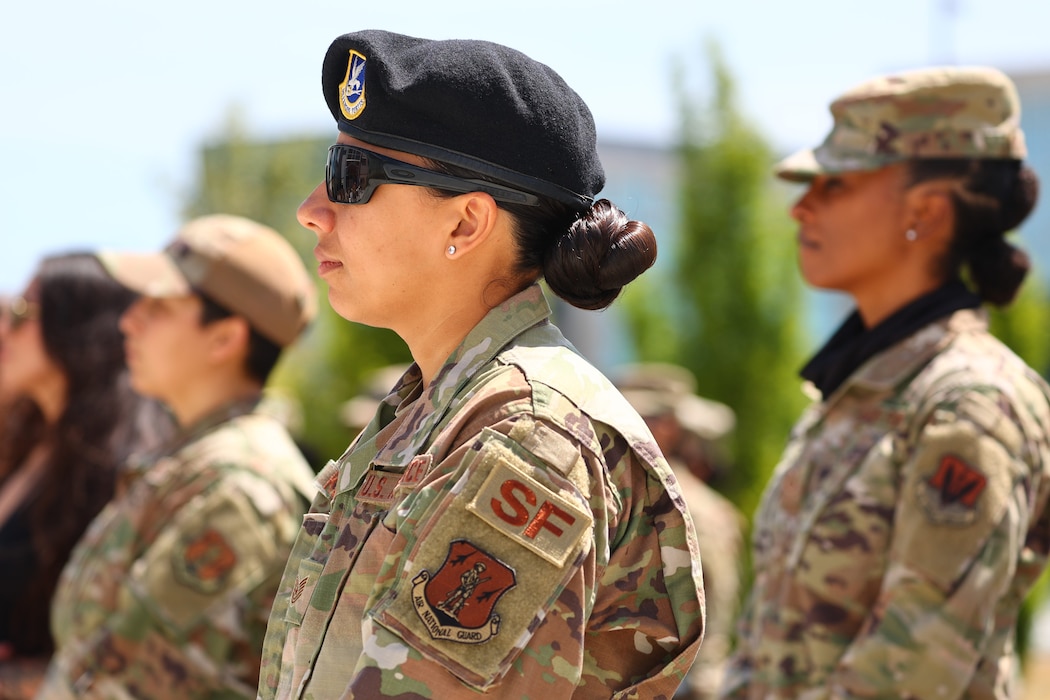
(802, 209)
(131, 319)
(316, 212)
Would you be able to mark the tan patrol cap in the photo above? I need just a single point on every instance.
(247, 268)
(943, 112)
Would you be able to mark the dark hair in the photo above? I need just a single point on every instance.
(992, 198)
(587, 258)
(102, 423)
(263, 353)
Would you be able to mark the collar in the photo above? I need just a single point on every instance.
(186, 435)
(418, 419)
(856, 354)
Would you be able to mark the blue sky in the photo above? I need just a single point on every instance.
(104, 104)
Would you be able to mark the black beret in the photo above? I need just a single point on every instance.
(474, 104)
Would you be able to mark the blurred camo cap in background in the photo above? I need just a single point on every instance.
(655, 389)
(942, 112)
(247, 268)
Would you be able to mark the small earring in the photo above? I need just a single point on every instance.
(910, 234)
(452, 250)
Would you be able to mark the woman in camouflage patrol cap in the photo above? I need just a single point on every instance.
(505, 525)
(906, 520)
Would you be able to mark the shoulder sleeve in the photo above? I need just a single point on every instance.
(959, 532)
(542, 570)
(192, 610)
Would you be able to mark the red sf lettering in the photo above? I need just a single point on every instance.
(509, 490)
(541, 520)
(521, 512)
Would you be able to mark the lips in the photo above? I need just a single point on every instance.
(325, 264)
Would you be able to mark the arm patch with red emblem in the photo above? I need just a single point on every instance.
(489, 560)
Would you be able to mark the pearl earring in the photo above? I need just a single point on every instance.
(910, 234)
(452, 250)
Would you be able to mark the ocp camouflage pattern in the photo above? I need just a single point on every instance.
(512, 529)
(168, 593)
(902, 529)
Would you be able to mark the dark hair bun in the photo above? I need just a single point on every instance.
(998, 268)
(598, 256)
(1020, 200)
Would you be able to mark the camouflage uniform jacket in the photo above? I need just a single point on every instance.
(510, 528)
(902, 528)
(168, 593)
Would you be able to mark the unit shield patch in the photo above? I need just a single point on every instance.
(456, 603)
(952, 492)
(204, 561)
(352, 89)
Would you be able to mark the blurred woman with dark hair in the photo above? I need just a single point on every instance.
(71, 420)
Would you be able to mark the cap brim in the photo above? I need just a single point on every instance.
(808, 163)
(151, 274)
(799, 167)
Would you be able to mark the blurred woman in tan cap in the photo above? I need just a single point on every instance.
(906, 520)
(70, 420)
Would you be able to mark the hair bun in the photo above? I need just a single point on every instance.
(1020, 200)
(598, 256)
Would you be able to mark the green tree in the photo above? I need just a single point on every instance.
(730, 308)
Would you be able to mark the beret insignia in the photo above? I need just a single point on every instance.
(352, 89)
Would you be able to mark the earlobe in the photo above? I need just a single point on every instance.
(933, 214)
(477, 218)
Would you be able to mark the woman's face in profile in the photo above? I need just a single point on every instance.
(852, 229)
(25, 366)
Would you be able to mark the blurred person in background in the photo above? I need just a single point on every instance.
(689, 429)
(70, 420)
(167, 594)
(907, 518)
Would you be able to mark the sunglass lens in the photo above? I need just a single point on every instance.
(346, 175)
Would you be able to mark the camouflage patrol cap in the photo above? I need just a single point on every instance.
(247, 268)
(656, 389)
(943, 112)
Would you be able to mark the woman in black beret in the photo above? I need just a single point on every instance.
(505, 525)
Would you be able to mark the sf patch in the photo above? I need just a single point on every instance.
(531, 514)
(204, 561)
(457, 602)
(952, 491)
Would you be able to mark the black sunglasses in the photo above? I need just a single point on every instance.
(352, 174)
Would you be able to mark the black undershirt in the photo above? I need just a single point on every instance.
(853, 344)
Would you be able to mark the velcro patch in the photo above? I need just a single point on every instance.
(953, 490)
(530, 513)
(957, 485)
(377, 487)
(204, 561)
(471, 594)
(456, 602)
